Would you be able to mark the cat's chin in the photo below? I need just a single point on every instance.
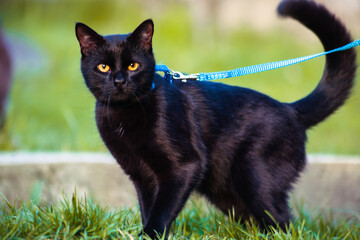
(116, 99)
(119, 98)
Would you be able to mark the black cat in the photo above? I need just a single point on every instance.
(237, 147)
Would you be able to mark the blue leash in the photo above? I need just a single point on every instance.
(175, 75)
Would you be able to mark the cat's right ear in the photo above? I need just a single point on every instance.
(87, 38)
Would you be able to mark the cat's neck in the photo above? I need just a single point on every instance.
(134, 114)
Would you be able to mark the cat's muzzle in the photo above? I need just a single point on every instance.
(119, 80)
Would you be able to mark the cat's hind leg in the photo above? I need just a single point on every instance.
(255, 187)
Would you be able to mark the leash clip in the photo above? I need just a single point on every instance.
(184, 77)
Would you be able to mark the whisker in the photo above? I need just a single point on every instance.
(120, 130)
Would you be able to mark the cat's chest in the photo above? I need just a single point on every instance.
(119, 127)
(126, 133)
(132, 144)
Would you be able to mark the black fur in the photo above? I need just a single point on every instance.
(335, 85)
(237, 147)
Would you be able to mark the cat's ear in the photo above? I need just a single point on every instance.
(143, 34)
(87, 38)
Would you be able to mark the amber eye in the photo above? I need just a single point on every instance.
(103, 68)
(133, 66)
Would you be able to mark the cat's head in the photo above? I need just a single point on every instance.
(117, 68)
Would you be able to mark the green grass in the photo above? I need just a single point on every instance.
(51, 109)
(76, 218)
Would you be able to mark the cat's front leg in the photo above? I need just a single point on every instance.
(170, 199)
(146, 191)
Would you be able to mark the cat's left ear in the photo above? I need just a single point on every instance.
(143, 34)
(87, 38)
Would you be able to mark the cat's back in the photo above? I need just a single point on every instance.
(233, 115)
(229, 102)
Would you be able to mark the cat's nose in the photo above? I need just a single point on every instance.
(119, 80)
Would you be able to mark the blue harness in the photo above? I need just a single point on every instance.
(175, 75)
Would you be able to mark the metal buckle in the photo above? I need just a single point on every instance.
(184, 77)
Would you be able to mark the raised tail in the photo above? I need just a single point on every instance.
(338, 77)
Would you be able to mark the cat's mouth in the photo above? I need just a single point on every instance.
(122, 93)
(125, 93)
(124, 89)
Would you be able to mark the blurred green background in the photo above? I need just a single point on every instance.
(50, 108)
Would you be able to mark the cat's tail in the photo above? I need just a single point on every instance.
(338, 77)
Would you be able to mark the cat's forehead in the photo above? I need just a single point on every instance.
(113, 39)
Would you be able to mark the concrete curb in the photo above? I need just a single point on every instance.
(330, 183)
